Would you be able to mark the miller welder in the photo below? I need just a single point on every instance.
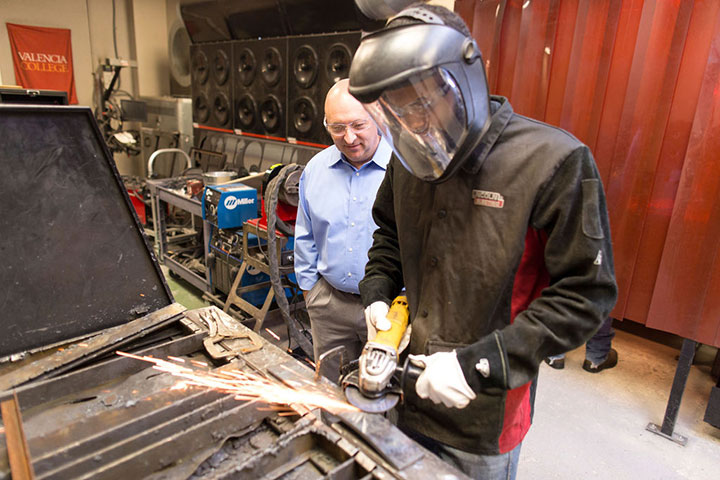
(227, 207)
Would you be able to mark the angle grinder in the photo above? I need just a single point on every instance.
(377, 383)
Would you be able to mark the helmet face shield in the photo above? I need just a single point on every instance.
(425, 119)
(424, 85)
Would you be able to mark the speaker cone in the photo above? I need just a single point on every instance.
(221, 108)
(221, 69)
(271, 113)
(271, 69)
(246, 112)
(180, 68)
(201, 110)
(200, 67)
(305, 67)
(304, 112)
(246, 66)
(338, 61)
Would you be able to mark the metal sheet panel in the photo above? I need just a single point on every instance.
(74, 258)
(122, 418)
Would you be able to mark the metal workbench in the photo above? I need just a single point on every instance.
(161, 195)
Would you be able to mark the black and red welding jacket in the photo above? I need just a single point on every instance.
(509, 260)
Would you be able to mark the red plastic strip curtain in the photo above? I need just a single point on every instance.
(686, 300)
(630, 79)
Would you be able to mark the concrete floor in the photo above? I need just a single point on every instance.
(592, 426)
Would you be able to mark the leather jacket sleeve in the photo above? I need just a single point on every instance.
(571, 213)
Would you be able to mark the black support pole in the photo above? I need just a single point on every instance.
(687, 353)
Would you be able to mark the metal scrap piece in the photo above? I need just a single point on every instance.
(221, 330)
(398, 450)
(17, 447)
(108, 340)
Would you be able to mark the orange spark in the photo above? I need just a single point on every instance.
(248, 386)
(274, 335)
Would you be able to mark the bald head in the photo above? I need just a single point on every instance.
(342, 108)
(339, 98)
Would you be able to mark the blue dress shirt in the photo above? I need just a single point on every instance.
(334, 226)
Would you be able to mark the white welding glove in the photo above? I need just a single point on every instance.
(376, 318)
(405, 340)
(443, 380)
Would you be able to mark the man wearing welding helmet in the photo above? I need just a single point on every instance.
(494, 223)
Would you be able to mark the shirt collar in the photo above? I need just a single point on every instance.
(381, 157)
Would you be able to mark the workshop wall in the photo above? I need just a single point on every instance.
(71, 14)
(140, 34)
(151, 47)
(91, 29)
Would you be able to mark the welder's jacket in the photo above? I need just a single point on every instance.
(509, 260)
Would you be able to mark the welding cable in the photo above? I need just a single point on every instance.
(134, 194)
(271, 201)
(210, 252)
(263, 256)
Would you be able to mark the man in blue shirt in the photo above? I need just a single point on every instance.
(334, 226)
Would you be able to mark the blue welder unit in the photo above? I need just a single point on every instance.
(228, 206)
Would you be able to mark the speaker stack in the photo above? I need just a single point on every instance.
(316, 62)
(260, 87)
(211, 69)
(272, 87)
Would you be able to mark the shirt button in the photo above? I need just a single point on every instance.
(442, 214)
(433, 261)
(424, 313)
(352, 224)
(354, 199)
(357, 174)
(349, 274)
(350, 249)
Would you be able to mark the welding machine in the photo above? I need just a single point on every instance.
(229, 206)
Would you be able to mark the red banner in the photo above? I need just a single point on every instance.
(42, 58)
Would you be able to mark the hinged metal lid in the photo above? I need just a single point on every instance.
(74, 257)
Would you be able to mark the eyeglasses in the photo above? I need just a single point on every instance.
(421, 105)
(339, 129)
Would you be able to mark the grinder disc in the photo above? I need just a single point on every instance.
(380, 404)
(371, 404)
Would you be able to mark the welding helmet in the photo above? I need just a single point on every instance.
(424, 85)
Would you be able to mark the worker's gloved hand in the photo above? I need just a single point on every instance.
(443, 380)
(405, 340)
(376, 318)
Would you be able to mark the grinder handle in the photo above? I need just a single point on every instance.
(398, 316)
(408, 373)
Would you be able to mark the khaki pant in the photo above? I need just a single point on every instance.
(336, 318)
